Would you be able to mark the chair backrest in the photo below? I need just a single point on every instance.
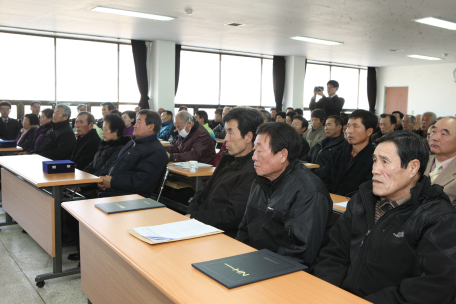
(161, 183)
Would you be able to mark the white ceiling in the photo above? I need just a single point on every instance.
(369, 29)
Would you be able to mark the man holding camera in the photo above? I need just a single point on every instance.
(332, 104)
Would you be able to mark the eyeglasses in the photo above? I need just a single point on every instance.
(5, 109)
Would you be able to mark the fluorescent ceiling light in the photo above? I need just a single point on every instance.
(437, 22)
(314, 40)
(131, 13)
(424, 57)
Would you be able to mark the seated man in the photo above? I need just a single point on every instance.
(194, 142)
(266, 116)
(217, 119)
(60, 140)
(387, 124)
(35, 107)
(167, 124)
(281, 116)
(350, 167)
(202, 118)
(395, 242)
(300, 124)
(273, 114)
(106, 108)
(219, 130)
(87, 140)
(222, 201)
(334, 142)
(289, 117)
(317, 132)
(441, 167)
(399, 116)
(289, 211)
(426, 120)
(139, 165)
(408, 122)
(9, 127)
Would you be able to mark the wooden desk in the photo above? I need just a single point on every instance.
(220, 140)
(198, 175)
(33, 198)
(5, 151)
(311, 166)
(339, 199)
(165, 144)
(118, 268)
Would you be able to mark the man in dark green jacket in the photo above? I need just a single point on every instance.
(395, 242)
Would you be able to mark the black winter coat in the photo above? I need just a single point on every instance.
(222, 201)
(10, 130)
(85, 149)
(291, 215)
(332, 106)
(137, 168)
(28, 140)
(59, 142)
(319, 154)
(408, 256)
(341, 178)
(107, 152)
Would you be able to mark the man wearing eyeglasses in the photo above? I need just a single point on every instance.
(332, 104)
(9, 127)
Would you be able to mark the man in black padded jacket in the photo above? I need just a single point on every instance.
(395, 242)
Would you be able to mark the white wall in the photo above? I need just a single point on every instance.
(295, 69)
(431, 87)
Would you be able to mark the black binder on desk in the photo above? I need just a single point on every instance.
(132, 205)
(248, 268)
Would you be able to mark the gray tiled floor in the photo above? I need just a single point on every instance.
(21, 259)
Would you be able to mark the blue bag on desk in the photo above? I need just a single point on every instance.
(8, 144)
(58, 166)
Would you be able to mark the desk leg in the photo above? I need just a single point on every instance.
(198, 183)
(57, 260)
(9, 221)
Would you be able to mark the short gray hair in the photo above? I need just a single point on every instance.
(434, 116)
(185, 116)
(66, 110)
(227, 108)
(413, 118)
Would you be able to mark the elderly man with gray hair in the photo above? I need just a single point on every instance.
(193, 143)
(426, 120)
(60, 141)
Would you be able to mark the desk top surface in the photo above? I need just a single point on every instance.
(202, 171)
(311, 166)
(168, 266)
(165, 143)
(30, 168)
(220, 140)
(339, 199)
(17, 149)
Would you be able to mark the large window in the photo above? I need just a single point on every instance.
(352, 84)
(69, 71)
(26, 67)
(218, 79)
(86, 71)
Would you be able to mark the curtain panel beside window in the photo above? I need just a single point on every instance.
(278, 78)
(372, 88)
(139, 50)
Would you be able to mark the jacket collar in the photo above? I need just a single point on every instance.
(192, 131)
(60, 124)
(337, 141)
(170, 122)
(89, 134)
(235, 162)
(119, 141)
(144, 139)
(271, 186)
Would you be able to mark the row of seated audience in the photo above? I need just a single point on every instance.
(392, 245)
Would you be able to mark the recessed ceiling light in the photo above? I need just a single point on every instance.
(234, 24)
(437, 22)
(424, 57)
(315, 40)
(131, 13)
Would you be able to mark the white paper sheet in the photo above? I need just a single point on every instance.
(174, 231)
(343, 204)
(185, 165)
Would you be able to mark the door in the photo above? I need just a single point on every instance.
(396, 99)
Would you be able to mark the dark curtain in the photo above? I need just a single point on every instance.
(372, 88)
(177, 66)
(278, 80)
(140, 58)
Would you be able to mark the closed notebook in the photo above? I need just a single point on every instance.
(124, 206)
(248, 268)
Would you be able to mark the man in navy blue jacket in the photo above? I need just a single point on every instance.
(140, 164)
